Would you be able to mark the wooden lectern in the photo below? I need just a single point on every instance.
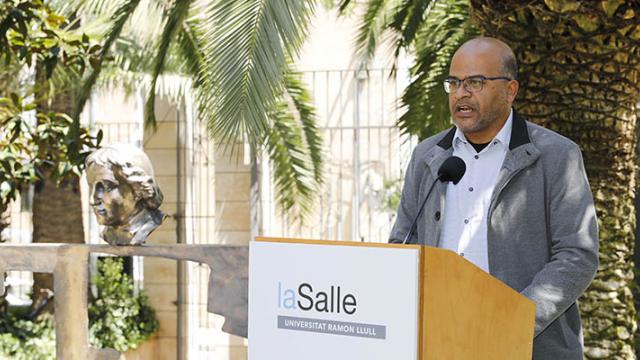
(463, 312)
(468, 314)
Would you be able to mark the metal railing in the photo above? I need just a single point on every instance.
(365, 157)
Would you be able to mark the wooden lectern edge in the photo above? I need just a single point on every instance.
(336, 242)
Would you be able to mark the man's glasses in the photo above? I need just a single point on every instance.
(471, 83)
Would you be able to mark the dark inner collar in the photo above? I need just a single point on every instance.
(478, 147)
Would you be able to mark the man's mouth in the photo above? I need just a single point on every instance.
(465, 109)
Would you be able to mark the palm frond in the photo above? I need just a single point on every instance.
(292, 174)
(87, 7)
(343, 6)
(131, 65)
(189, 47)
(371, 30)
(143, 25)
(119, 18)
(131, 55)
(175, 18)
(245, 46)
(172, 87)
(234, 56)
(129, 81)
(147, 21)
(294, 145)
(426, 103)
(408, 19)
(301, 106)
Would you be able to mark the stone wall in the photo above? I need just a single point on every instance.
(161, 275)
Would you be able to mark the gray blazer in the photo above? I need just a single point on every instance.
(542, 228)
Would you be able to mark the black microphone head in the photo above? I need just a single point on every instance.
(452, 169)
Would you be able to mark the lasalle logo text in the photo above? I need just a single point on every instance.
(307, 298)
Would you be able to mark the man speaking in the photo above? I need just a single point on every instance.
(522, 211)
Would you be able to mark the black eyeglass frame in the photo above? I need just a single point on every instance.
(450, 80)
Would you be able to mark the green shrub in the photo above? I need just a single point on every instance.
(119, 318)
(390, 195)
(22, 339)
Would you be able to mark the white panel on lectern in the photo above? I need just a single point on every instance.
(319, 302)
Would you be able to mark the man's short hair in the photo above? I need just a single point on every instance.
(510, 66)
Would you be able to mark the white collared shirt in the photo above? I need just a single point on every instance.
(467, 203)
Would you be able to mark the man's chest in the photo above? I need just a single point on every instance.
(473, 193)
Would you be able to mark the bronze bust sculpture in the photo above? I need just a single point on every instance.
(124, 194)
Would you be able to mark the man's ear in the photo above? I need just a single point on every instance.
(512, 90)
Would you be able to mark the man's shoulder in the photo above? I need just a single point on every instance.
(549, 141)
(427, 145)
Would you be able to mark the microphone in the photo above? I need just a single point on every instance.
(453, 170)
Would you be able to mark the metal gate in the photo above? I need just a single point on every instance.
(365, 157)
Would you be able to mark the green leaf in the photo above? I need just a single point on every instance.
(245, 48)
(122, 14)
(175, 18)
(16, 99)
(118, 317)
(433, 42)
(50, 63)
(374, 24)
(99, 137)
(292, 166)
(191, 51)
(305, 112)
(409, 18)
(342, 7)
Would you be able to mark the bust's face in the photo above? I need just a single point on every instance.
(112, 200)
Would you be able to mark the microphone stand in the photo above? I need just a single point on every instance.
(424, 202)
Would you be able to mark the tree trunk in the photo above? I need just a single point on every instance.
(4, 220)
(57, 210)
(636, 253)
(579, 75)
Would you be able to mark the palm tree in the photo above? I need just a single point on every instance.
(579, 75)
(237, 56)
(580, 66)
(429, 30)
